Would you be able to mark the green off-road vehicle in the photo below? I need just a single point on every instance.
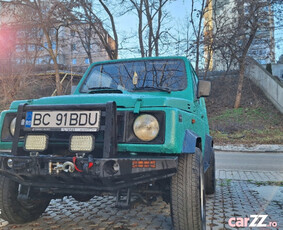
(133, 127)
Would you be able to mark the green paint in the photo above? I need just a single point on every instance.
(137, 106)
(174, 104)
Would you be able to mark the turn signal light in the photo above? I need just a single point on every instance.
(144, 164)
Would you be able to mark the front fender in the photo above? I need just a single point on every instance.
(191, 141)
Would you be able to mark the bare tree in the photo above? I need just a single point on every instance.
(85, 34)
(197, 35)
(197, 18)
(236, 28)
(7, 46)
(20, 42)
(84, 13)
(152, 16)
(47, 17)
(252, 17)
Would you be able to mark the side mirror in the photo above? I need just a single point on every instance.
(204, 88)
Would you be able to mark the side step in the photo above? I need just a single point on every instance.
(123, 201)
(24, 192)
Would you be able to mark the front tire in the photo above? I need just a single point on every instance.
(15, 211)
(188, 193)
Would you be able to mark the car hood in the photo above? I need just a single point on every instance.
(122, 100)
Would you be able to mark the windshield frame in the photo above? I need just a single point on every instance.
(124, 61)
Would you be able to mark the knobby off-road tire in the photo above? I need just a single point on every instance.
(188, 193)
(209, 176)
(15, 211)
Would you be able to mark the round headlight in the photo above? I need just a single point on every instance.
(13, 126)
(146, 127)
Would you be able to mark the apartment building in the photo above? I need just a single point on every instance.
(24, 45)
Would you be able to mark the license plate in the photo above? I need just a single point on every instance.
(80, 121)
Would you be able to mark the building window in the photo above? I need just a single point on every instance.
(73, 47)
(39, 61)
(34, 33)
(31, 48)
(18, 60)
(74, 61)
(86, 60)
(52, 31)
(246, 8)
(19, 48)
(40, 33)
(73, 33)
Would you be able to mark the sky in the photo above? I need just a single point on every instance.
(177, 9)
(128, 23)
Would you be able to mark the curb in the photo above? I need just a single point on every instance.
(249, 148)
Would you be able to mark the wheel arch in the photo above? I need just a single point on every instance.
(191, 141)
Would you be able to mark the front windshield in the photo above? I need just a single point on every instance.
(137, 75)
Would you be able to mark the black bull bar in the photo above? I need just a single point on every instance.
(110, 129)
(101, 174)
(108, 173)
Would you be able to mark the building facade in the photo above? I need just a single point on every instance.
(24, 45)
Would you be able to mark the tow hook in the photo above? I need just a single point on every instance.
(57, 167)
(68, 166)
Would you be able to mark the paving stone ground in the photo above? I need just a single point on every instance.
(235, 196)
(250, 175)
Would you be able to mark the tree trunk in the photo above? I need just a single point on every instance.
(113, 26)
(240, 84)
(157, 35)
(141, 28)
(150, 27)
(57, 78)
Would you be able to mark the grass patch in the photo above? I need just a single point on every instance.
(244, 115)
(247, 126)
(266, 136)
(225, 182)
(266, 183)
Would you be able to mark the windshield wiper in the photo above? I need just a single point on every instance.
(151, 88)
(91, 88)
(103, 90)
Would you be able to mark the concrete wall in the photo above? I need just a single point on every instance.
(270, 85)
(277, 70)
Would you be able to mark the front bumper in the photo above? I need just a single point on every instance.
(98, 174)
